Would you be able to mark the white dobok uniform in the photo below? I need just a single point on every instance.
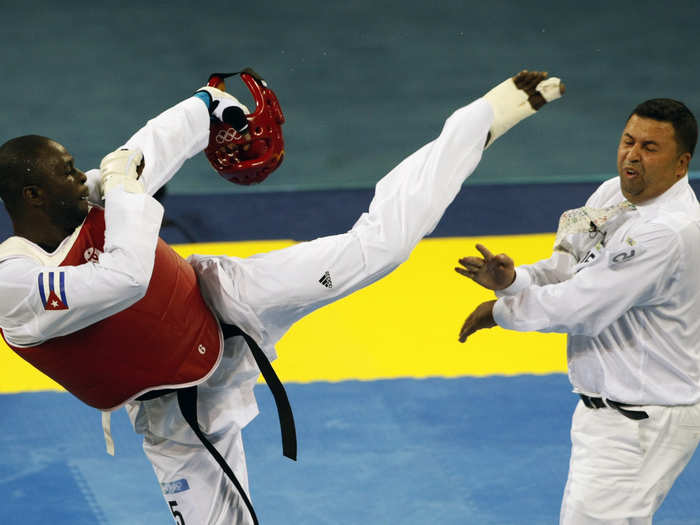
(263, 294)
(628, 296)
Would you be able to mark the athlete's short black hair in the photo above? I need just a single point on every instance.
(20, 165)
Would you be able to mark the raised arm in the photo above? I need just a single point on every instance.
(177, 134)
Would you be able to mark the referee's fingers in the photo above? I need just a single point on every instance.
(471, 262)
(466, 273)
(467, 329)
(484, 251)
(502, 260)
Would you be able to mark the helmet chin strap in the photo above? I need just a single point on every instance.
(217, 79)
(248, 159)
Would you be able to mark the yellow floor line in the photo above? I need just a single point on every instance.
(405, 325)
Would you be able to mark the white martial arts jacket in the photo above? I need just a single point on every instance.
(630, 305)
(132, 223)
(264, 294)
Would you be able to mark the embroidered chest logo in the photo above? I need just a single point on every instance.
(325, 280)
(92, 254)
(52, 290)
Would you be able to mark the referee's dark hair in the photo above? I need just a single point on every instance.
(677, 114)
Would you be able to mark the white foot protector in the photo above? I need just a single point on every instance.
(510, 104)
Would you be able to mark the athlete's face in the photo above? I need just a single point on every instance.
(65, 192)
(648, 159)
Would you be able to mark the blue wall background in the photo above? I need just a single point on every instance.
(362, 83)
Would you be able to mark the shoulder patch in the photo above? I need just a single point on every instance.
(52, 293)
(616, 258)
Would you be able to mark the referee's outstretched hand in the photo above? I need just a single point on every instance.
(494, 272)
(480, 318)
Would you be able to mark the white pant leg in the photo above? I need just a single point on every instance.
(411, 199)
(192, 483)
(620, 469)
(194, 486)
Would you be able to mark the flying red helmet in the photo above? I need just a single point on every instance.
(239, 158)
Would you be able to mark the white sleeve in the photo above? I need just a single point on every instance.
(282, 286)
(600, 292)
(559, 267)
(169, 139)
(91, 291)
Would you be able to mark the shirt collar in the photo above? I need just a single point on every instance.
(679, 197)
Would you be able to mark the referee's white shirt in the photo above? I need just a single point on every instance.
(630, 305)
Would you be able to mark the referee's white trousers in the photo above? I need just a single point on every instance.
(621, 469)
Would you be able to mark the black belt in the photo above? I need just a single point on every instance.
(284, 409)
(599, 402)
(187, 400)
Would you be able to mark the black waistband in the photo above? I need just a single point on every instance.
(599, 402)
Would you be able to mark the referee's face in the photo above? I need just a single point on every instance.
(648, 160)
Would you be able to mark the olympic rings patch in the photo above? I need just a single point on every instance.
(227, 135)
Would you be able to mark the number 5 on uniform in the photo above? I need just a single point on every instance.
(176, 513)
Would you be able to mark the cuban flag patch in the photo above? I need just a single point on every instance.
(52, 289)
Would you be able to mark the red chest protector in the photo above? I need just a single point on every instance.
(169, 338)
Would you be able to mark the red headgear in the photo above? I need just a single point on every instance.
(248, 160)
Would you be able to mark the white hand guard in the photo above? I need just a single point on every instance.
(227, 108)
(119, 169)
(511, 105)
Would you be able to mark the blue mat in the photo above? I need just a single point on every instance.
(449, 451)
